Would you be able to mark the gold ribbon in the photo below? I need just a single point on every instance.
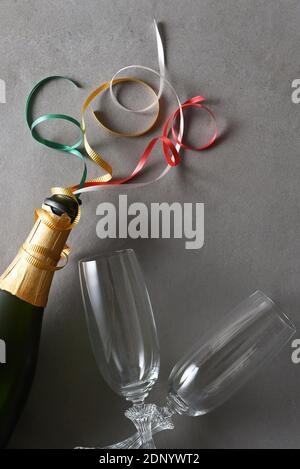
(29, 252)
(73, 149)
(97, 157)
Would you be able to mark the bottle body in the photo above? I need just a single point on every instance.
(20, 328)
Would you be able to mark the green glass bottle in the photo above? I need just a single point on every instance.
(24, 289)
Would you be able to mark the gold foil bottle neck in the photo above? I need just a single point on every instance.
(30, 275)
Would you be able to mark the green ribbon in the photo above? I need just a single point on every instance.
(33, 124)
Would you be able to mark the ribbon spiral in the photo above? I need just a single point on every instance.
(171, 149)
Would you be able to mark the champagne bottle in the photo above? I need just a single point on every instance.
(24, 289)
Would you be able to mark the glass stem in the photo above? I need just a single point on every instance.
(161, 420)
(141, 415)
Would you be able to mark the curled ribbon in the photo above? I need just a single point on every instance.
(30, 252)
(171, 150)
(162, 75)
(72, 149)
(96, 157)
(33, 124)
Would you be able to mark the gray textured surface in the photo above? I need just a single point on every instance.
(241, 55)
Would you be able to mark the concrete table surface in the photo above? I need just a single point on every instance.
(242, 56)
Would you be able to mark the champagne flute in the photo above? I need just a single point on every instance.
(122, 331)
(214, 370)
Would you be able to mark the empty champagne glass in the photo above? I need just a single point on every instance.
(210, 373)
(122, 331)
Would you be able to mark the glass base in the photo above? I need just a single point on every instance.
(160, 420)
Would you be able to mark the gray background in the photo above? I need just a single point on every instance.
(242, 56)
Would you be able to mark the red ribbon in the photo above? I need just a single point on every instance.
(171, 154)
